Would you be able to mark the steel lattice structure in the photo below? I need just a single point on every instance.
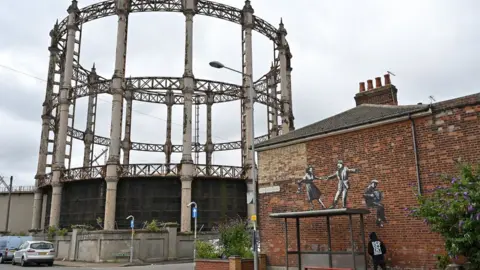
(68, 81)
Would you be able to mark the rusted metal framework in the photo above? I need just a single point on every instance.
(68, 81)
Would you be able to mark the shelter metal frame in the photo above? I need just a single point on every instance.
(327, 214)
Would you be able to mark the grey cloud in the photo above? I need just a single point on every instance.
(21, 101)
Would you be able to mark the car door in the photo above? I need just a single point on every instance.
(19, 253)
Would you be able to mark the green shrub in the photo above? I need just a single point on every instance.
(62, 232)
(152, 226)
(443, 261)
(51, 232)
(453, 210)
(206, 250)
(235, 238)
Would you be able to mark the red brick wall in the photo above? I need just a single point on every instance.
(384, 153)
(211, 265)
(246, 264)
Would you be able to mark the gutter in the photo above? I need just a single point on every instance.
(415, 151)
(347, 130)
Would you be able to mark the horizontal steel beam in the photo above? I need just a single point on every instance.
(146, 170)
(152, 147)
(154, 90)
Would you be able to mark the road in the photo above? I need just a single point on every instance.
(178, 266)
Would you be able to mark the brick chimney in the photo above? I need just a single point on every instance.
(381, 95)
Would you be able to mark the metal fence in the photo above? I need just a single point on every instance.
(18, 189)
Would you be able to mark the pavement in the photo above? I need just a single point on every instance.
(65, 265)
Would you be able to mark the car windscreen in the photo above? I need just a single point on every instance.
(3, 244)
(41, 246)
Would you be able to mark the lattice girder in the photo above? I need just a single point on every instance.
(152, 147)
(145, 170)
(145, 89)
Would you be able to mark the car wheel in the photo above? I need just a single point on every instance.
(50, 264)
(22, 262)
(1, 260)
(13, 261)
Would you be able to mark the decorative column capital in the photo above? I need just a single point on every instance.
(281, 28)
(122, 7)
(73, 8)
(189, 7)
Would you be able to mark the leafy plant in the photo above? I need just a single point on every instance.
(443, 261)
(51, 231)
(62, 232)
(206, 250)
(453, 210)
(235, 238)
(100, 222)
(152, 226)
(21, 234)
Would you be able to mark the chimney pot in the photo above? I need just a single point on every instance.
(370, 84)
(387, 79)
(378, 82)
(362, 87)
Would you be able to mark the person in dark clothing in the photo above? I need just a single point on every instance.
(377, 249)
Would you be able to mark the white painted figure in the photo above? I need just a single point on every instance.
(342, 174)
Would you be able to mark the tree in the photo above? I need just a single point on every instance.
(453, 211)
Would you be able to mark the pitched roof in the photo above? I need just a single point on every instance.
(366, 114)
(360, 115)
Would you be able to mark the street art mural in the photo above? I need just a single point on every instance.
(342, 174)
(373, 199)
(372, 196)
(313, 193)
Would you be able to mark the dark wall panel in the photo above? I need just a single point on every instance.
(147, 199)
(48, 191)
(82, 203)
(218, 199)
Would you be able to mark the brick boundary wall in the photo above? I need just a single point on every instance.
(232, 263)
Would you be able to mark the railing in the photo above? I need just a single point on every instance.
(145, 170)
(18, 189)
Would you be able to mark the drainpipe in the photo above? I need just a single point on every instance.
(415, 150)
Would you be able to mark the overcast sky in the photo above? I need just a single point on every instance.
(431, 45)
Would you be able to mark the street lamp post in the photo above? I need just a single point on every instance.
(132, 226)
(194, 215)
(251, 93)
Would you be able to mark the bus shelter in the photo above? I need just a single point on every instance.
(327, 214)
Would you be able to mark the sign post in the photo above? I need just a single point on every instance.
(194, 215)
(132, 226)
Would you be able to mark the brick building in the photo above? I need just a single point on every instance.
(405, 148)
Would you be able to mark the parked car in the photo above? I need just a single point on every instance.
(8, 245)
(38, 252)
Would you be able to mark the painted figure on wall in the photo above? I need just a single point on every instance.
(373, 199)
(342, 174)
(313, 193)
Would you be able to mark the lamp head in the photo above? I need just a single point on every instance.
(216, 64)
(129, 217)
